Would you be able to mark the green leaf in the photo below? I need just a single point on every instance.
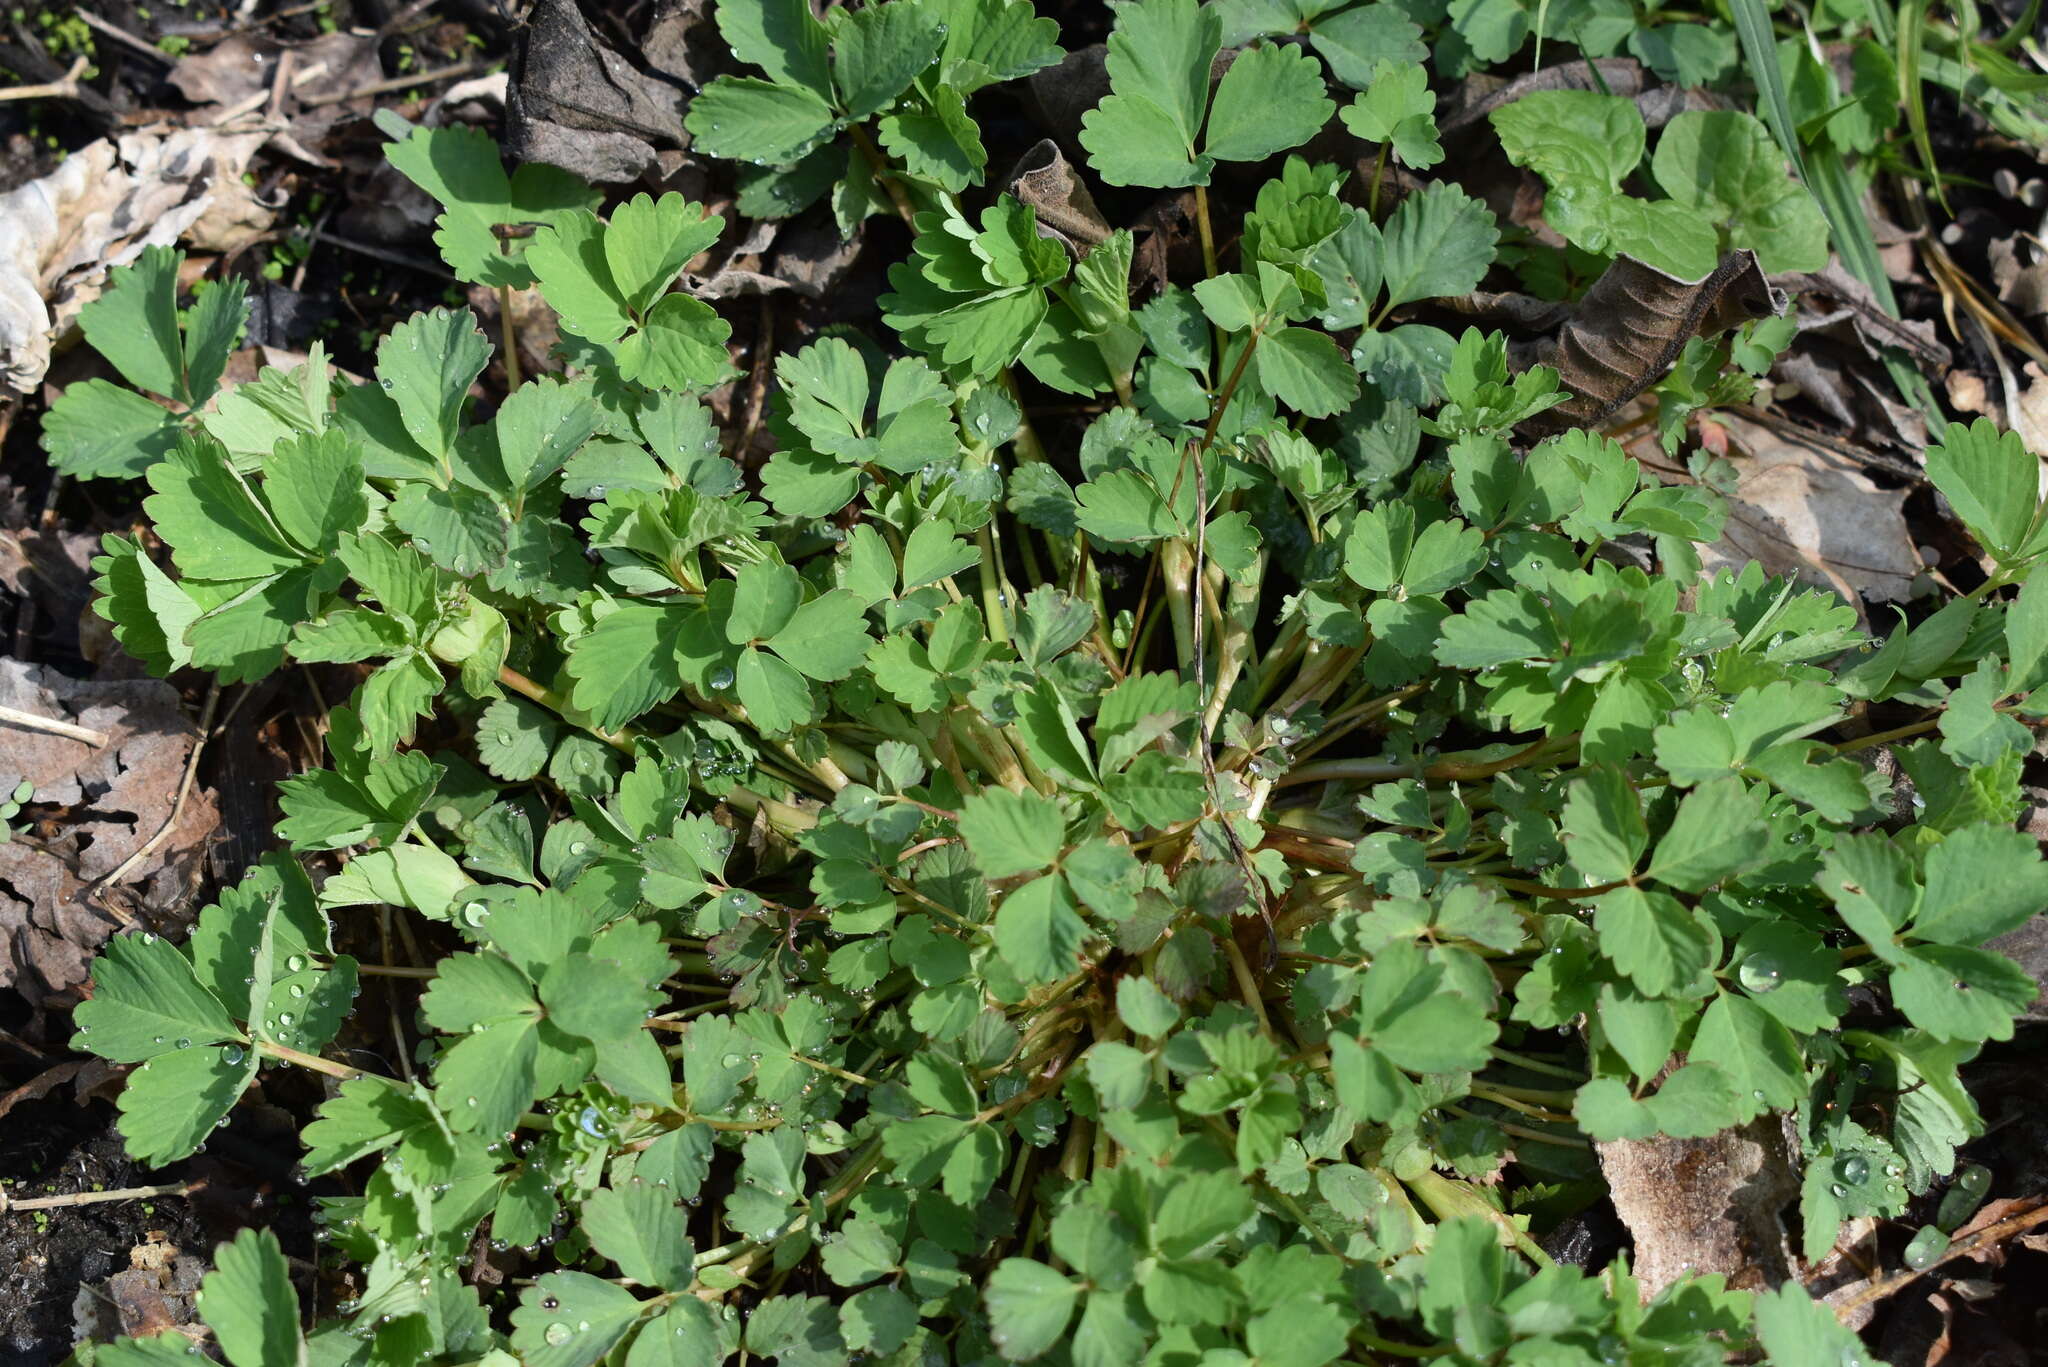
(1653, 939)
(172, 1103)
(1396, 108)
(248, 1302)
(782, 37)
(314, 486)
(1603, 827)
(213, 327)
(149, 613)
(1039, 929)
(147, 1001)
(1271, 99)
(640, 1228)
(459, 165)
(738, 118)
(826, 638)
(1796, 1329)
(571, 1319)
(1438, 243)
(98, 430)
(774, 692)
(426, 365)
(1724, 164)
(1147, 1011)
(648, 242)
(216, 526)
(1011, 833)
(1029, 1306)
(134, 323)
(596, 998)
(1754, 1049)
(1158, 65)
(1991, 480)
(1360, 42)
(1718, 832)
(485, 1080)
(878, 51)
(627, 663)
(1982, 882)
(1305, 370)
(680, 345)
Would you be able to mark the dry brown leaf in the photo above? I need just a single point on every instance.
(575, 103)
(117, 796)
(1044, 179)
(1630, 327)
(60, 235)
(1804, 510)
(1713, 1205)
(244, 64)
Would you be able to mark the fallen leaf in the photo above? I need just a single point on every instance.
(60, 235)
(575, 103)
(1701, 1206)
(1803, 509)
(115, 798)
(1630, 327)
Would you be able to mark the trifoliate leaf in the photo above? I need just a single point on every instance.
(1398, 109)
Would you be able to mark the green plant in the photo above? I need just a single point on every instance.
(861, 924)
(11, 805)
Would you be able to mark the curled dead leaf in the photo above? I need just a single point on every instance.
(60, 235)
(1630, 327)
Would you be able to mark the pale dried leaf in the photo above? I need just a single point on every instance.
(1714, 1205)
(1804, 510)
(60, 235)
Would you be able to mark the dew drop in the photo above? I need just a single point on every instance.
(295, 964)
(184, 1043)
(1925, 1247)
(557, 1333)
(1853, 1169)
(1760, 973)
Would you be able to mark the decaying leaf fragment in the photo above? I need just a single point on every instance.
(59, 235)
(1631, 326)
(1804, 509)
(1712, 1205)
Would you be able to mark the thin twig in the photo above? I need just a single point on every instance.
(89, 1198)
(30, 721)
(127, 865)
(1982, 1239)
(252, 103)
(66, 89)
(123, 36)
(395, 83)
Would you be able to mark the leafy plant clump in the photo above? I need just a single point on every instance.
(1193, 893)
